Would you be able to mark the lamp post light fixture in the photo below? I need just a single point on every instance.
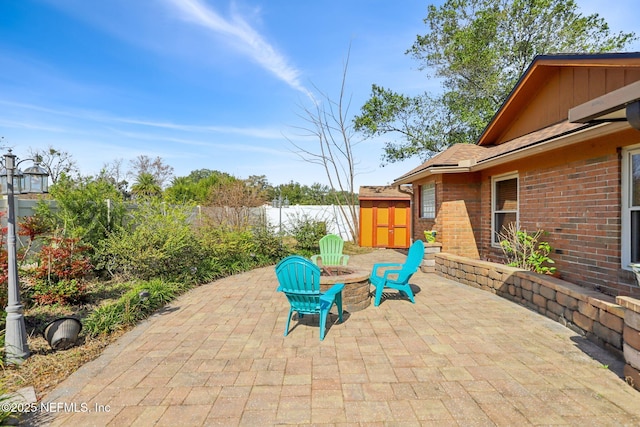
(32, 180)
(280, 203)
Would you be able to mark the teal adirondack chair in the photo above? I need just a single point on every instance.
(331, 252)
(396, 275)
(299, 280)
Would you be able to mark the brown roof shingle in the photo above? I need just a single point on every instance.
(384, 192)
(457, 153)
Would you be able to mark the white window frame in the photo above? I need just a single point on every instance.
(494, 181)
(625, 237)
(432, 199)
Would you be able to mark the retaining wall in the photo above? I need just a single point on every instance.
(613, 323)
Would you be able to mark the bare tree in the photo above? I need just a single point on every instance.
(231, 203)
(114, 173)
(55, 162)
(327, 121)
(144, 164)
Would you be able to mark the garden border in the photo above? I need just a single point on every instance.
(613, 323)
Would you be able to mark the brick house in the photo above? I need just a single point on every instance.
(562, 154)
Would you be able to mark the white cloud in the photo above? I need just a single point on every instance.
(248, 40)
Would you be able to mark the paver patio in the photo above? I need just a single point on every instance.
(459, 356)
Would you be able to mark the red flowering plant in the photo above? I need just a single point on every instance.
(32, 227)
(64, 266)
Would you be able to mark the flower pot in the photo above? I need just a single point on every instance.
(62, 333)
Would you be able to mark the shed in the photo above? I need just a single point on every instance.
(385, 216)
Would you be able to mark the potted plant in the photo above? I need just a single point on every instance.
(430, 236)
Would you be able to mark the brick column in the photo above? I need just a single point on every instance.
(429, 261)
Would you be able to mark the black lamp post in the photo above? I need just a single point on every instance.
(33, 180)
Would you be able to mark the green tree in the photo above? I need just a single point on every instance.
(146, 185)
(160, 171)
(479, 49)
(86, 208)
(55, 162)
(196, 187)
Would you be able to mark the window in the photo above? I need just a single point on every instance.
(504, 205)
(630, 207)
(428, 200)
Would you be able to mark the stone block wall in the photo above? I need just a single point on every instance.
(631, 340)
(429, 259)
(613, 323)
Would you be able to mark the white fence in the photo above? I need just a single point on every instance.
(279, 218)
(284, 218)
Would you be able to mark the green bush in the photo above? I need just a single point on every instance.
(62, 292)
(87, 208)
(525, 250)
(268, 246)
(158, 242)
(232, 251)
(132, 307)
(307, 232)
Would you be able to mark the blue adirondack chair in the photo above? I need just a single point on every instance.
(331, 255)
(299, 280)
(397, 275)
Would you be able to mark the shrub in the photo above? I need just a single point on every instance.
(62, 292)
(268, 246)
(64, 259)
(158, 242)
(132, 307)
(229, 250)
(307, 233)
(524, 250)
(87, 208)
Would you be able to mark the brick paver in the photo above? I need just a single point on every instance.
(459, 356)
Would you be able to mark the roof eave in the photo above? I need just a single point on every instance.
(433, 170)
(598, 130)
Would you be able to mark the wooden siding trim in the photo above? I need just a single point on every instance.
(605, 104)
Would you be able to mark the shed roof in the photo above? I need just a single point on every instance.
(389, 192)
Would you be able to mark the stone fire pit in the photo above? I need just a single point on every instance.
(355, 295)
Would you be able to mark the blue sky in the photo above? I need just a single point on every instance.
(209, 84)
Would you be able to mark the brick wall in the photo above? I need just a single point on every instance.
(578, 204)
(572, 193)
(458, 213)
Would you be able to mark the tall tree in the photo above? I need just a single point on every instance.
(156, 167)
(54, 161)
(195, 187)
(329, 123)
(146, 185)
(113, 173)
(479, 49)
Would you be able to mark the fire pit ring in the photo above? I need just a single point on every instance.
(355, 295)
